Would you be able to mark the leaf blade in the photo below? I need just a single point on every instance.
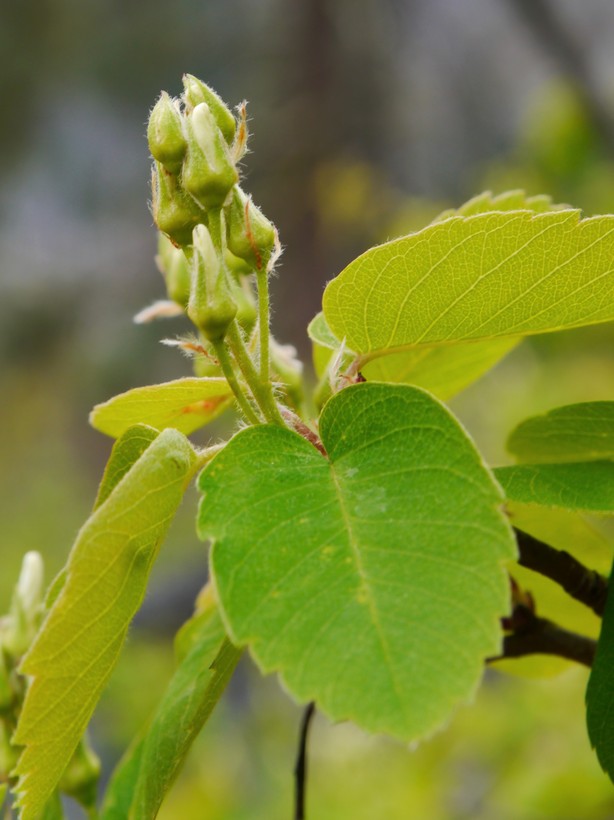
(184, 404)
(106, 578)
(308, 587)
(574, 432)
(476, 277)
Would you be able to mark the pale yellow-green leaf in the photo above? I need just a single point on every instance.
(468, 278)
(184, 404)
(79, 643)
(516, 200)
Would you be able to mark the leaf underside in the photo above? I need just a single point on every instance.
(371, 580)
(79, 643)
(183, 404)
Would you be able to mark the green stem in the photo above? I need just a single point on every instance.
(262, 392)
(262, 281)
(228, 371)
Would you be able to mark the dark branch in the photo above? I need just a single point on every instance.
(539, 636)
(583, 584)
(300, 768)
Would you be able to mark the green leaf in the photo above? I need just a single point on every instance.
(600, 693)
(509, 201)
(372, 580)
(443, 371)
(126, 450)
(184, 404)
(145, 776)
(576, 432)
(583, 486)
(478, 277)
(79, 643)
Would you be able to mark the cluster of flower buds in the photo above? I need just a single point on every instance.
(212, 233)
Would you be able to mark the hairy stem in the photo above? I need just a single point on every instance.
(228, 371)
(262, 282)
(583, 584)
(263, 393)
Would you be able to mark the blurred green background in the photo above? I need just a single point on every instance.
(368, 118)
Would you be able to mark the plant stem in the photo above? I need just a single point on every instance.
(539, 636)
(583, 584)
(228, 371)
(262, 283)
(263, 393)
(300, 768)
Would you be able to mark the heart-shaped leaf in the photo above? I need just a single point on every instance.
(371, 579)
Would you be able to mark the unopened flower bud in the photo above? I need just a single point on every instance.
(175, 268)
(22, 622)
(165, 134)
(211, 306)
(250, 234)
(196, 92)
(208, 170)
(247, 312)
(174, 212)
(238, 267)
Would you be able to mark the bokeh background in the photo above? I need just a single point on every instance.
(368, 117)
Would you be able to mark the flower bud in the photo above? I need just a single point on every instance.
(174, 212)
(208, 170)
(175, 268)
(196, 92)
(165, 134)
(238, 267)
(250, 234)
(246, 307)
(211, 306)
(22, 622)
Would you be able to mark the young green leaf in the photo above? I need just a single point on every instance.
(600, 693)
(78, 645)
(583, 486)
(184, 404)
(477, 277)
(576, 432)
(148, 770)
(372, 579)
(509, 201)
(127, 449)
